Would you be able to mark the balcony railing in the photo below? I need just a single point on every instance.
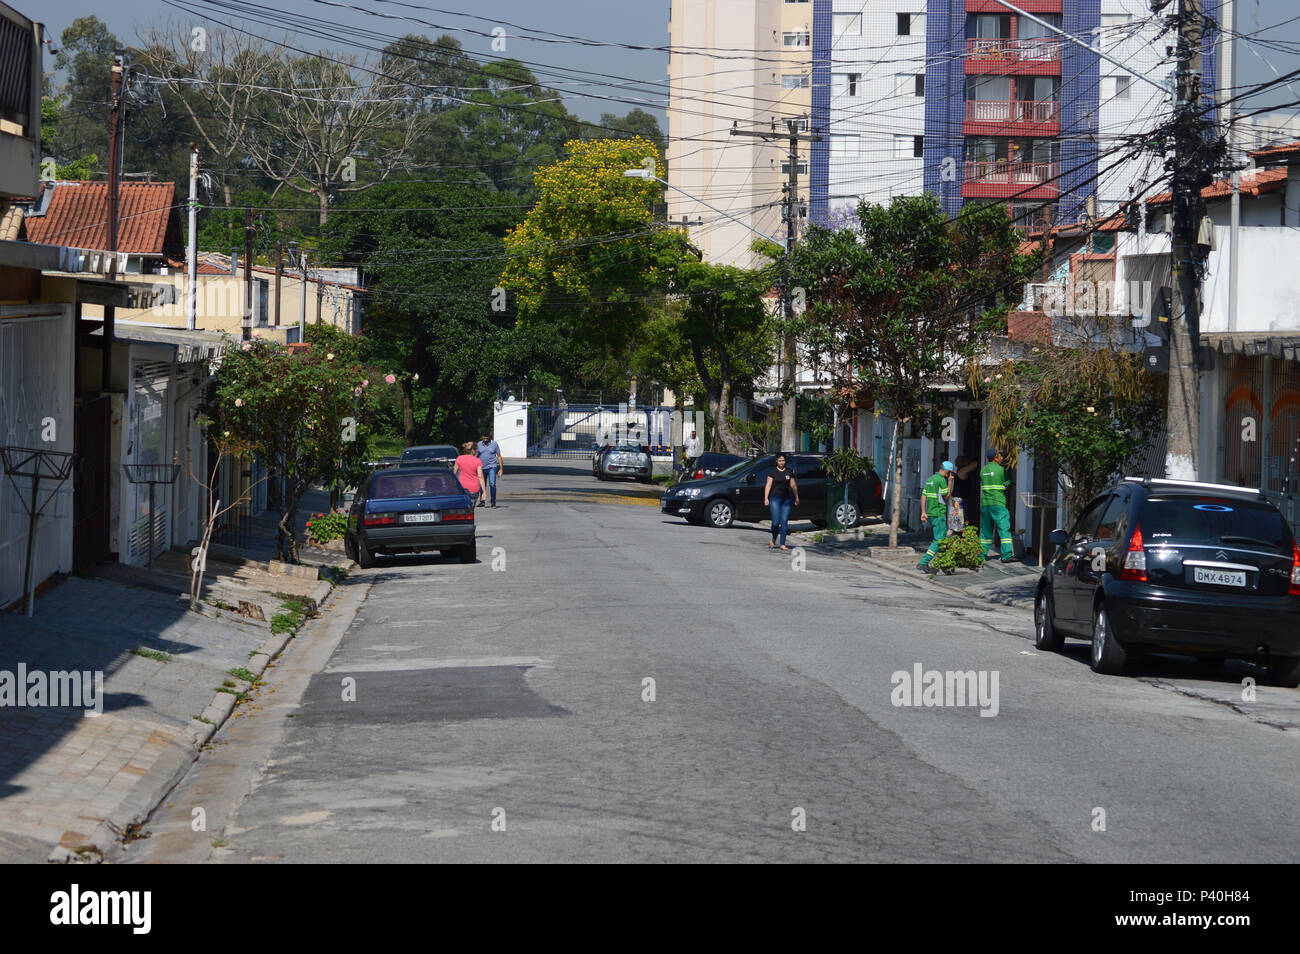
(1012, 173)
(1037, 49)
(1010, 111)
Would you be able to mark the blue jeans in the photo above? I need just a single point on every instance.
(491, 474)
(780, 508)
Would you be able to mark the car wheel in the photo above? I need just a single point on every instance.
(1108, 656)
(720, 513)
(1285, 672)
(846, 515)
(1046, 636)
(365, 559)
(469, 552)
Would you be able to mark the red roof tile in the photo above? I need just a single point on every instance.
(77, 216)
(1274, 153)
(1252, 184)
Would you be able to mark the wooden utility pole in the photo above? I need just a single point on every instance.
(279, 275)
(790, 212)
(114, 184)
(1182, 412)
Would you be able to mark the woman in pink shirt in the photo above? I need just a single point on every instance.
(469, 471)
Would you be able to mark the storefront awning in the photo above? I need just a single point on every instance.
(1281, 346)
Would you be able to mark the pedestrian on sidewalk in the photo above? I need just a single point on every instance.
(489, 455)
(469, 471)
(934, 510)
(993, 506)
(780, 496)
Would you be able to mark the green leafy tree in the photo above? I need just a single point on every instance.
(587, 259)
(289, 409)
(901, 304)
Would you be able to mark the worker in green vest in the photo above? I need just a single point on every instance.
(934, 510)
(993, 506)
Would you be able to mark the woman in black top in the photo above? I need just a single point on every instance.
(781, 495)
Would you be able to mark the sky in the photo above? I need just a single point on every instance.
(620, 21)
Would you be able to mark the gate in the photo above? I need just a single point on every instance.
(90, 484)
(575, 430)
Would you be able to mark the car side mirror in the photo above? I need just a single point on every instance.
(1058, 538)
(749, 478)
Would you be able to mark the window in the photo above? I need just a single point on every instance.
(803, 167)
(910, 84)
(846, 24)
(796, 1)
(905, 24)
(1115, 88)
(797, 38)
(844, 145)
(795, 81)
(1087, 524)
(809, 468)
(1113, 524)
(1115, 22)
(909, 147)
(844, 84)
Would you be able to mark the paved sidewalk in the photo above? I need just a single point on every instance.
(1011, 584)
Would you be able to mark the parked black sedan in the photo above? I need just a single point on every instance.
(1151, 566)
(408, 510)
(623, 460)
(737, 494)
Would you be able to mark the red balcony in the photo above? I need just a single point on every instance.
(1030, 56)
(1005, 180)
(1029, 119)
(1029, 6)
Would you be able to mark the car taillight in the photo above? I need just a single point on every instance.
(1135, 561)
(449, 515)
(1294, 588)
(880, 489)
(379, 519)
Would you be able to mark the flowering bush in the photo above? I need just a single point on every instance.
(324, 527)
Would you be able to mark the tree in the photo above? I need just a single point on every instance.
(587, 256)
(729, 333)
(290, 410)
(637, 124)
(1088, 406)
(86, 51)
(901, 304)
(431, 252)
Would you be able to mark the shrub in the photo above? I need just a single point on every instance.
(324, 527)
(960, 550)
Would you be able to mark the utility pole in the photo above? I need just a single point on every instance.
(114, 183)
(1182, 412)
(246, 329)
(302, 298)
(192, 245)
(790, 212)
(279, 275)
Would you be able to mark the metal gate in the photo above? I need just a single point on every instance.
(575, 430)
(91, 484)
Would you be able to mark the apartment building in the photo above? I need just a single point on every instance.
(743, 64)
(977, 103)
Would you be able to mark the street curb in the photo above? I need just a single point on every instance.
(902, 574)
(167, 771)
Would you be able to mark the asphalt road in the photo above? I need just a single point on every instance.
(501, 713)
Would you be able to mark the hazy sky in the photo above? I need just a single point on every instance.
(624, 21)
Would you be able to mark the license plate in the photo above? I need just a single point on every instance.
(1202, 574)
(421, 518)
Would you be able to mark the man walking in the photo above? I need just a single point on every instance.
(993, 506)
(934, 509)
(489, 452)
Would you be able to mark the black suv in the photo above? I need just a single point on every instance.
(737, 494)
(1207, 570)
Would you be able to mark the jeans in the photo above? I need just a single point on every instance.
(939, 524)
(780, 508)
(491, 474)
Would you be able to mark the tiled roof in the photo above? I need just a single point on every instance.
(77, 216)
(215, 263)
(1276, 153)
(1252, 184)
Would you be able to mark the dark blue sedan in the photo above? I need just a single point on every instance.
(409, 510)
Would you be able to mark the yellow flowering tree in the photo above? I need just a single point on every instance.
(588, 255)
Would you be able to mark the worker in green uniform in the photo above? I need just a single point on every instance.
(993, 506)
(934, 510)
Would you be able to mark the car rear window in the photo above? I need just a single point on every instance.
(393, 486)
(1215, 521)
(429, 453)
